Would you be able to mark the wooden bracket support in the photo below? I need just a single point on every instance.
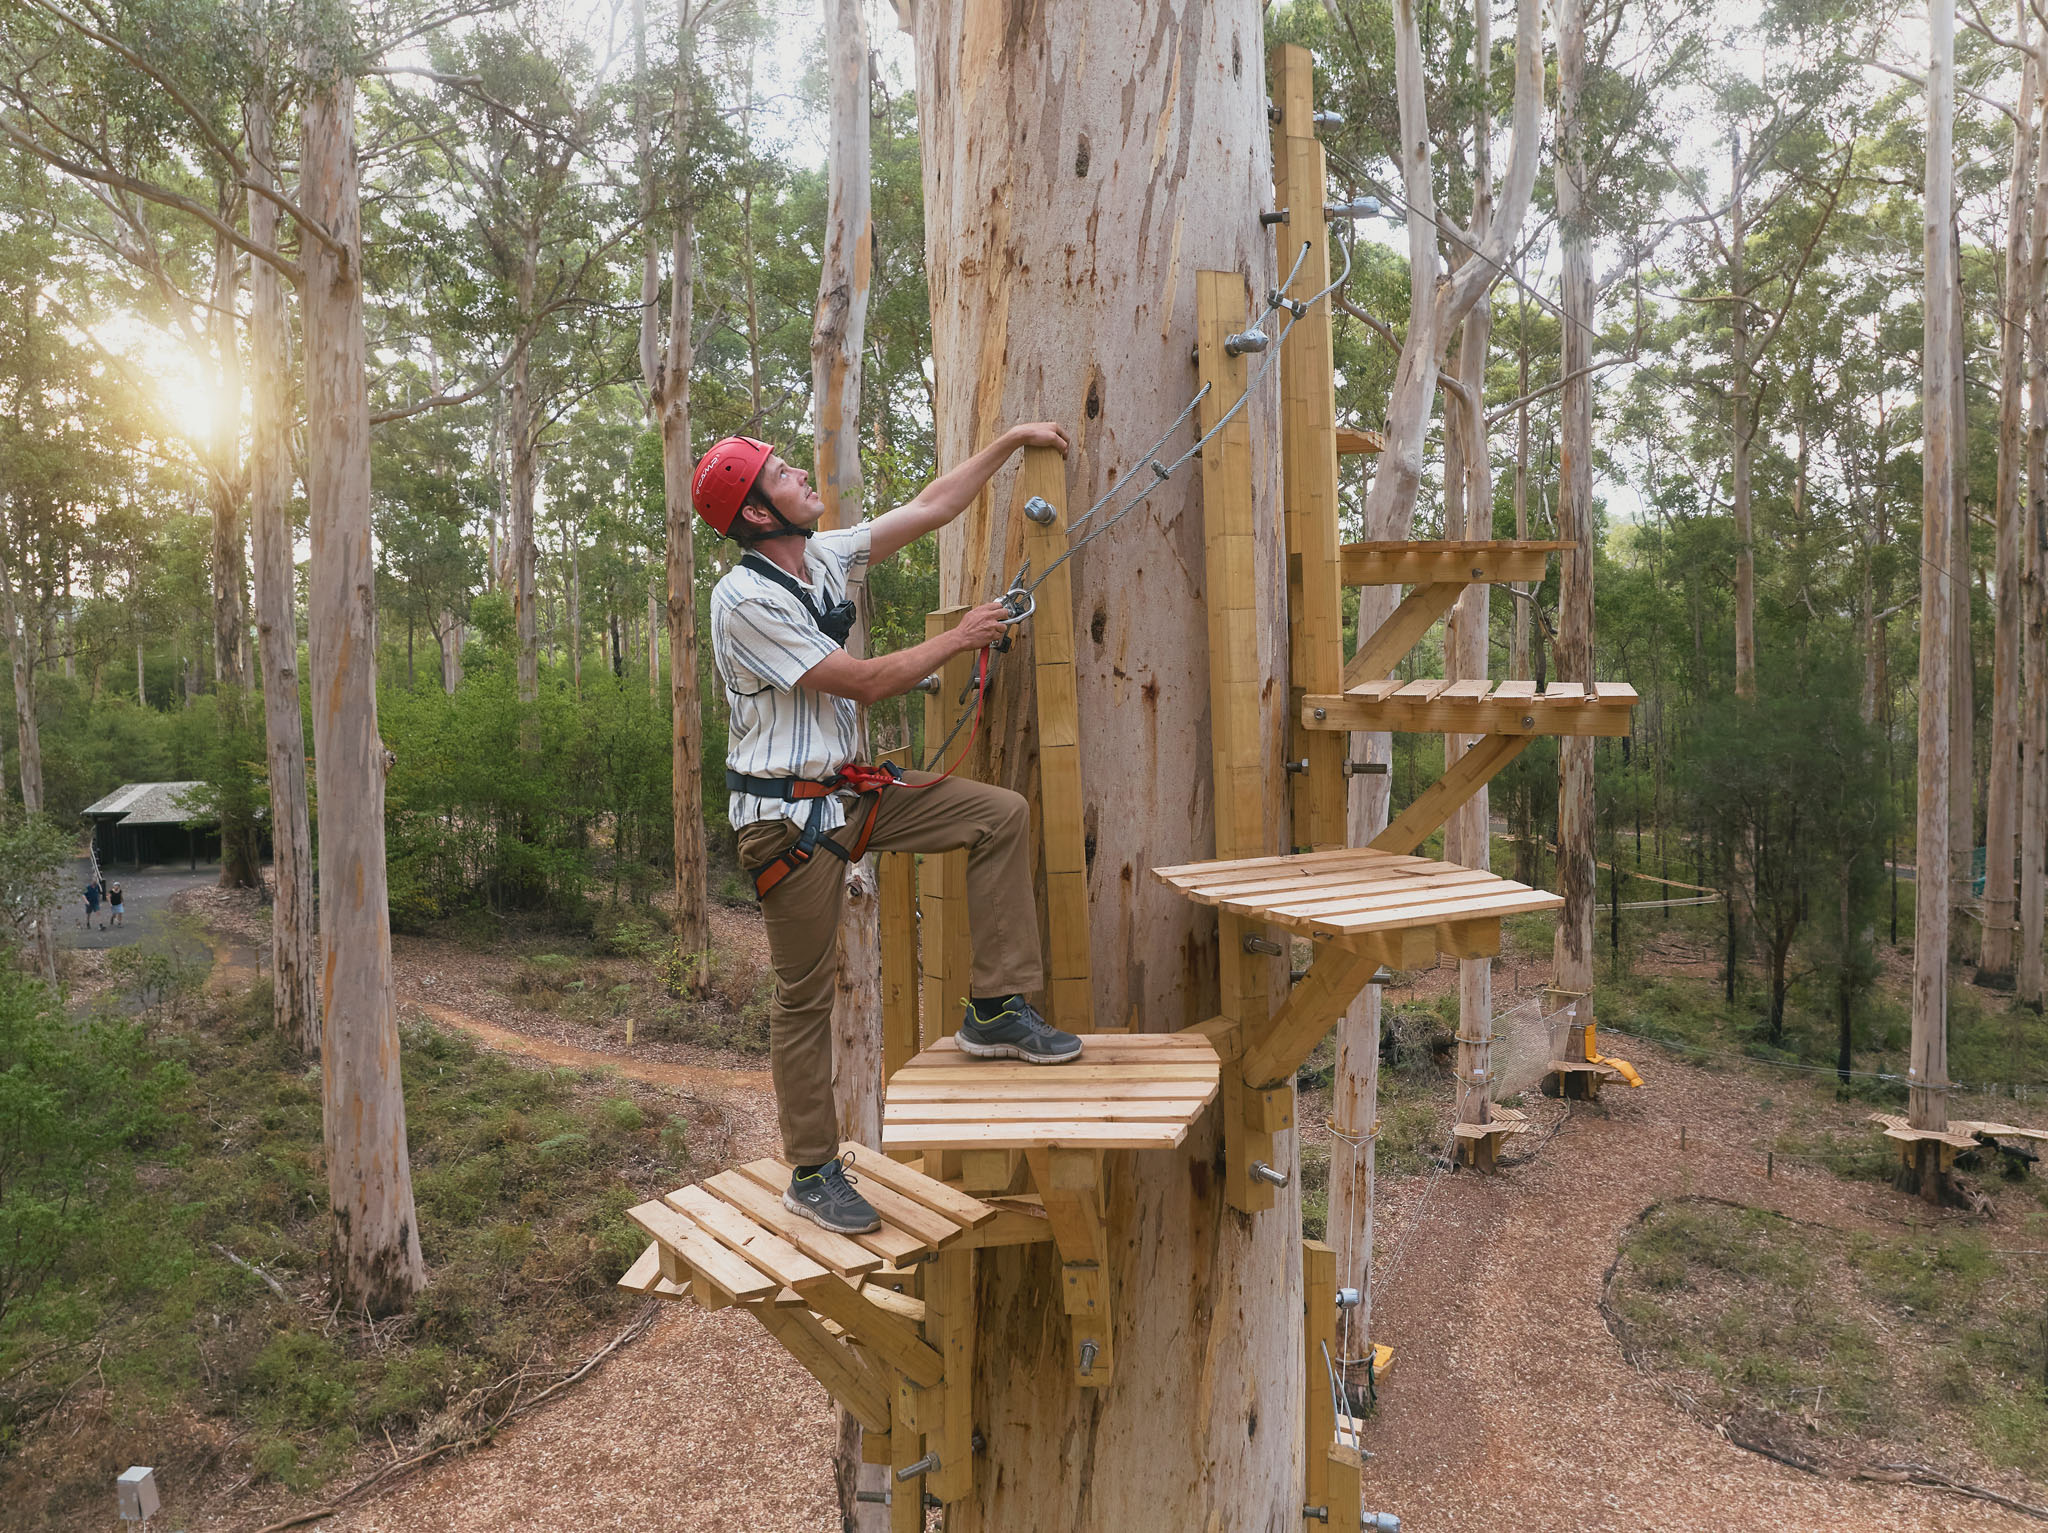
(1389, 643)
(1278, 1049)
(949, 1327)
(1071, 1183)
(1319, 1332)
(1442, 798)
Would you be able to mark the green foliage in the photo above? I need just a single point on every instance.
(76, 1100)
(1908, 1341)
(507, 806)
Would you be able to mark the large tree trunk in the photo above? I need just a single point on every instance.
(2001, 806)
(28, 737)
(1035, 128)
(1572, 955)
(226, 488)
(1927, 1098)
(665, 368)
(377, 1263)
(295, 1001)
(838, 333)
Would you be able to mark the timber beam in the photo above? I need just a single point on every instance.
(1073, 1187)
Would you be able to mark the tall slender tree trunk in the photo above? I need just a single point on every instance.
(226, 490)
(448, 634)
(1742, 428)
(28, 737)
(1468, 838)
(1927, 1093)
(1032, 130)
(295, 1000)
(1962, 697)
(838, 334)
(665, 364)
(2033, 812)
(1577, 875)
(525, 466)
(377, 1261)
(654, 584)
(2001, 806)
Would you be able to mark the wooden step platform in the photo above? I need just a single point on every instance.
(1130, 1091)
(731, 1237)
(1955, 1137)
(1475, 708)
(1459, 563)
(1359, 893)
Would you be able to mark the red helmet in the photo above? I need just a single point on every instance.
(724, 475)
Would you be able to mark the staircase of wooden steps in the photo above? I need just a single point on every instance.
(1475, 708)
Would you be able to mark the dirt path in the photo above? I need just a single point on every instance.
(654, 1071)
(704, 1425)
(1510, 1404)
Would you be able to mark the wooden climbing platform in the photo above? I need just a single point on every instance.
(1956, 1136)
(1475, 708)
(731, 1238)
(1358, 892)
(1132, 1091)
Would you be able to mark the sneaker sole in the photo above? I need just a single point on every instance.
(1011, 1051)
(823, 1223)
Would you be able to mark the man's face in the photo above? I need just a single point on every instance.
(789, 490)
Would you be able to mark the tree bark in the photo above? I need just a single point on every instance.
(1468, 834)
(1034, 129)
(1927, 1099)
(2033, 816)
(376, 1260)
(1572, 953)
(295, 1001)
(22, 663)
(1742, 429)
(1962, 701)
(525, 469)
(2001, 807)
(838, 334)
(665, 368)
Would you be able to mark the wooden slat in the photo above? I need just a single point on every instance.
(891, 1242)
(1007, 1110)
(912, 1090)
(948, 1203)
(1199, 870)
(1165, 1047)
(1353, 442)
(1319, 1333)
(732, 1273)
(1525, 903)
(838, 1253)
(978, 1074)
(1279, 892)
(740, 1234)
(1033, 1135)
(907, 1214)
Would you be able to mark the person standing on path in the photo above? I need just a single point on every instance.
(114, 903)
(779, 623)
(92, 902)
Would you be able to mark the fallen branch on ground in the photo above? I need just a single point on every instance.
(638, 1328)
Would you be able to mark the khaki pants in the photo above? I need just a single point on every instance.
(992, 824)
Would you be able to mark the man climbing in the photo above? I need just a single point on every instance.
(779, 623)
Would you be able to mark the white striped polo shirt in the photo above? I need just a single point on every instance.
(762, 642)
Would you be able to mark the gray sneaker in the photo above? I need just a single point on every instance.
(1016, 1032)
(828, 1199)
